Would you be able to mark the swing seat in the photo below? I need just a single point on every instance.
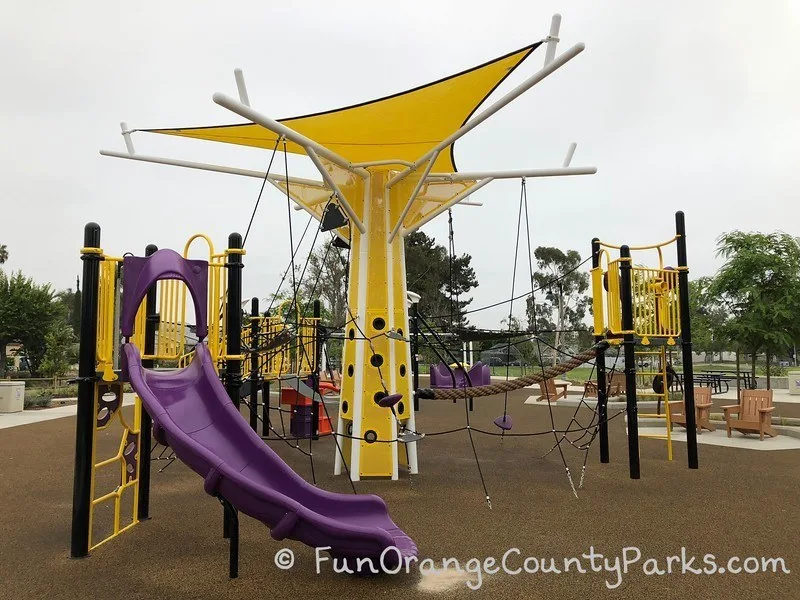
(441, 377)
(505, 423)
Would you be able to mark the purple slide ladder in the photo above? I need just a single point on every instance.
(193, 414)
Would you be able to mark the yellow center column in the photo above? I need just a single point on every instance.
(375, 364)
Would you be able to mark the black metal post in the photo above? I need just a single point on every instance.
(150, 327)
(233, 325)
(315, 370)
(629, 345)
(233, 328)
(265, 400)
(231, 521)
(686, 342)
(255, 331)
(602, 382)
(87, 364)
(415, 352)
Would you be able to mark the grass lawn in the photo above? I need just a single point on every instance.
(578, 375)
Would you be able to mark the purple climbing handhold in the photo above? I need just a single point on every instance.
(390, 400)
(505, 423)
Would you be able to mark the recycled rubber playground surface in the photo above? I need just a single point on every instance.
(740, 503)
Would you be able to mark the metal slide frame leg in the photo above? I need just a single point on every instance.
(231, 532)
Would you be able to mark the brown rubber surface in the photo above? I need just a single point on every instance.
(740, 503)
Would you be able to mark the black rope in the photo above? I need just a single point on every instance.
(525, 295)
(261, 191)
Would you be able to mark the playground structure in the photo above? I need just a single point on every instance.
(158, 324)
(649, 307)
(191, 410)
(388, 169)
(379, 183)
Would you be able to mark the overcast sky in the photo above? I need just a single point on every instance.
(680, 105)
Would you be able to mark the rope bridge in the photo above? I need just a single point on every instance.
(513, 384)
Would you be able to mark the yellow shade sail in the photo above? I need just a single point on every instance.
(402, 126)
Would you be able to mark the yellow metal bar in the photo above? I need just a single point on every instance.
(635, 248)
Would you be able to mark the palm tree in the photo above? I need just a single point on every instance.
(3, 253)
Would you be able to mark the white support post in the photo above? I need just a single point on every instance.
(551, 67)
(552, 39)
(413, 197)
(188, 164)
(240, 85)
(449, 204)
(332, 184)
(471, 355)
(464, 354)
(126, 135)
(570, 154)
(290, 134)
(513, 174)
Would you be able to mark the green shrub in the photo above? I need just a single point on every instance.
(37, 401)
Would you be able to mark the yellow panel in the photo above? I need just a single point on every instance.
(401, 126)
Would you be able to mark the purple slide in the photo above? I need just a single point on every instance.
(193, 414)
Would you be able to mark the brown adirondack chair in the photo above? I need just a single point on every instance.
(754, 413)
(551, 390)
(702, 405)
(616, 383)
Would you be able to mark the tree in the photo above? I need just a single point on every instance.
(708, 316)
(428, 273)
(3, 254)
(759, 287)
(326, 279)
(71, 307)
(564, 290)
(59, 354)
(27, 312)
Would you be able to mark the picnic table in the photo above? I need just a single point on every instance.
(747, 380)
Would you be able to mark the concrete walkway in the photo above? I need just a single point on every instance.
(737, 440)
(26, 417)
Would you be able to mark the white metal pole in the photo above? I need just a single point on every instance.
(240, 85)
(513, 174)
(471, 355)
(188, 164)
(449, 204)
(464, 354)
(290, 134)
(126, 135)
(570, 154)
(413, 197)
(552, 39)
(332, 184)
(501, 103)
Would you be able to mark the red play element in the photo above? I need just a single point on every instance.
(326, 387)
(292, 397)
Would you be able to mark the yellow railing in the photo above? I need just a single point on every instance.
(172, 306)
(295, 357)
(654, 299)
(108, 316)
